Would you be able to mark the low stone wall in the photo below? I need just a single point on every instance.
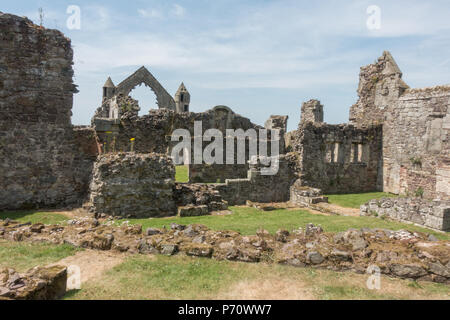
(432, 214)
(133, 185)
(194, 195)
(259, 188)
(305, 196)
(39, 283)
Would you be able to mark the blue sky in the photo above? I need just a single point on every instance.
(257, 57)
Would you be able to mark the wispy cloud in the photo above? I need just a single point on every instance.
(178, 10)
(150, 13)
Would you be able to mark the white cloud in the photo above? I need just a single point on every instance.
(150, 13)
(178, 10)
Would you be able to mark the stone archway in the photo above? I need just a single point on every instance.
(142, 76)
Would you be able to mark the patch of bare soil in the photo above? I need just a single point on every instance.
(267, 289)
(92, 263)
(335, 209)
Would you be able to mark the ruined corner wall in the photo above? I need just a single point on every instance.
(37, 141)
(338, 158)
(133, 185)
(416, 144)
(416, 129)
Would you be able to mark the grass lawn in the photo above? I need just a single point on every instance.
(357, 199)
(182, 173)
(34, 216)
(182, 277)
(23, 256)
(248, 220)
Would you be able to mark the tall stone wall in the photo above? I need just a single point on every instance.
(416, 144)
(416, 129)
(338, 158)
(37, 141)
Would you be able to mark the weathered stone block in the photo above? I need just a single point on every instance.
(191, 211)
(133, 185)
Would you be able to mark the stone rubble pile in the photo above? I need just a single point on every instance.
(39, 283)
(401, 253)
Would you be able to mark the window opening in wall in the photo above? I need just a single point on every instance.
(336, 152)
(360, 152)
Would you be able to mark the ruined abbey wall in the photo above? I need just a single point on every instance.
(338, 158)
(43, 164)
(416, 144)
(416, 129)
(152, 133)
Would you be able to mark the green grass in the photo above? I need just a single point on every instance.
(182, 174)
(357, 199)
(182, 277)
(23, 256)
(34, 216)
(248, 220)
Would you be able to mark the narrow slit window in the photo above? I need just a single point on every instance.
(336, 152)
(360, 152)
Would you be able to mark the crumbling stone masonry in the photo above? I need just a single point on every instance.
(400, 253)
(338, 158)
(43, 163)
(39, 283)
(397, 139)
(133, 185)
(257, 187)
(432, 214)
(416, 129)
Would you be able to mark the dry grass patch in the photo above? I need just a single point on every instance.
(182, 277)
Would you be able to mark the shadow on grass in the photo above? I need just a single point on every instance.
(71, 293)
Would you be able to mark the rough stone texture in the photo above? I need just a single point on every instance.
(433, 214)
(42, 165)
(152, 134)
(133, 185)
(193, 211)
(305, 196)
(416, 129)
(258, 187)
(312, 111)
(398, 253)
(39, 283)
(338, 158)
(416, 144)
(198, 195)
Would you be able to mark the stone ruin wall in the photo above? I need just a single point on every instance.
(335, 158)
(152, 133)
(416, 124)
(432, 214)
(133, 185)
(260, 188)
(42, 165)
(416, 144)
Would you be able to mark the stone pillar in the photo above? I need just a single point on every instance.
(312, 111)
